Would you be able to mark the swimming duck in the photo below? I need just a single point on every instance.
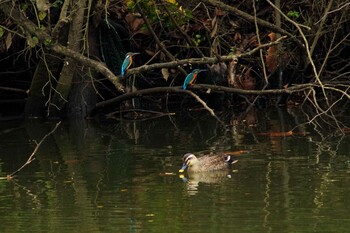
(206, 162)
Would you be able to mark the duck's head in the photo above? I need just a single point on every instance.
(189, 160)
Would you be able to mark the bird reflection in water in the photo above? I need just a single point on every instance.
(194, 179)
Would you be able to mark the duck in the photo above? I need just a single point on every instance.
(206, 163)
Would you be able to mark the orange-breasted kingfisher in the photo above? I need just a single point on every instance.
(191, 78)
(127, 62)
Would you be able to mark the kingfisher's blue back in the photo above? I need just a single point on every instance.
(191, 77)
(126, 63)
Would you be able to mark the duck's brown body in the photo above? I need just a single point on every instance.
(206, 162)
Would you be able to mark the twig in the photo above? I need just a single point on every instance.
(13, 89)
(156, 90)
(43, 36)
(250, 18)
(320, 28)
(204, 60)
(31, 157)
(166, 52)
(185, 35)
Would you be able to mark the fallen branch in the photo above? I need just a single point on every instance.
(31, 157)
(155, 90)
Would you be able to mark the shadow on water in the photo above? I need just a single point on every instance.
(122, 176)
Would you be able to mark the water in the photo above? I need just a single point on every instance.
(122, 176)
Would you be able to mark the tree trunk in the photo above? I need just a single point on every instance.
(69, 70)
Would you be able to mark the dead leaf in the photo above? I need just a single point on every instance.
(272, 55)
(239, 152)
(214, 25)
(237, 38)
(165, 73)
(8, 41)
(277, 134)
(219, 12)
(150, 52)
(134, 21)
(42, 5)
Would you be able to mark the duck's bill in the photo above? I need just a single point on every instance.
(183, 168)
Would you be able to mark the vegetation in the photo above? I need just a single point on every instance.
(64, 59)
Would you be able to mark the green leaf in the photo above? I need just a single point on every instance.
(42, 15)
(47, 42)
(24, 7)
(32, 41)
(293, 14)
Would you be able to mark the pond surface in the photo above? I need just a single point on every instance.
(122, 176)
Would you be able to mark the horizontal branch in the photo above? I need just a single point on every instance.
(213, 88)
(203, 60)
(11, 89)
(149, 91)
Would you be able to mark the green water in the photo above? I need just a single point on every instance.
(122, 176)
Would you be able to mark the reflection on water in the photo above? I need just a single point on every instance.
(121, 176)
(193, 180)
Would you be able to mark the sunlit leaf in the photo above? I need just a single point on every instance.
(8, 41)
(42, 5)
(1, 32)
(42, 15)
(32, 41)
(165, 73)
(277, 134)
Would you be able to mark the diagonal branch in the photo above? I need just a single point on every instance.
(160, 44)
(31, 157)
(251, 18)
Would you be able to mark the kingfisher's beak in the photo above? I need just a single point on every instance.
(184, 166)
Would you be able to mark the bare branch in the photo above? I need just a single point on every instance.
(43, 36)
(201, 61)
(31, 157)
(250, 18)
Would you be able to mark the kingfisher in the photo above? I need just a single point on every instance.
(127, 62)
(191, 78)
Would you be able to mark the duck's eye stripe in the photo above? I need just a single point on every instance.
(188, 158)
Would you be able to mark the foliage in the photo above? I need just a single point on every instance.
(293, 14)
(168, 30)
(157, 14)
